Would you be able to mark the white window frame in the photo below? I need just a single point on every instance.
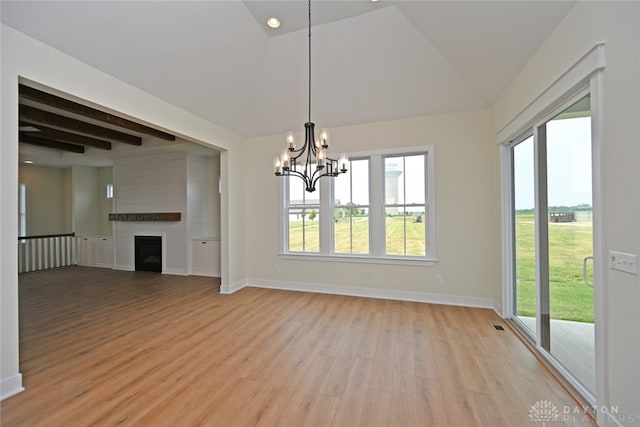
(334, 206)
(376, 214)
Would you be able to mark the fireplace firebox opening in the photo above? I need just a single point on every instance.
(148, 253)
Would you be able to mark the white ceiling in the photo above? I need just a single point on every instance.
(371, 61)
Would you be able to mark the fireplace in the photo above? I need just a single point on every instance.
(148, 252)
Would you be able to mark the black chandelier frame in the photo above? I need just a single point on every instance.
(313, 152)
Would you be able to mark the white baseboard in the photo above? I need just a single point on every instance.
(11, 386)
(98, 265)
(170, 271)
(101, 265)
(228, 289)
(399, 295)
(204, 273)
(176, 272)
(497, 307)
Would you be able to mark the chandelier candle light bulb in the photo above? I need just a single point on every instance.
(324, 137)
(312, 153)
(344, 163)
(277, 165)
(320, 156)
(291, 143)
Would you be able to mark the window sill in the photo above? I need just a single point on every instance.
(365, 259)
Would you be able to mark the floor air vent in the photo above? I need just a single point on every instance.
(498, 327)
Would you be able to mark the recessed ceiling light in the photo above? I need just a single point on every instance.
(29, 162)
(273, 22)
(374, 1)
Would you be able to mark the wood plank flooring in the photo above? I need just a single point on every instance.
(103, 348)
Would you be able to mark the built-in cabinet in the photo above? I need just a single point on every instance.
(95, 251)
(205, 257)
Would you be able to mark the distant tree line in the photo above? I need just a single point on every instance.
(558, 209)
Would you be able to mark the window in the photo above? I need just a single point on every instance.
(380, 210)
(351, 209)
(22, 210)
(109, 191)
(405, 205)
(302, 212)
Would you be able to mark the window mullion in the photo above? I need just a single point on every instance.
(376, 210)
(404, 201)
(284, 215)
(325, 217)
(351, 203)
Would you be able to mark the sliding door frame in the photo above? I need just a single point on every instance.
(509, 246)
(561, 94)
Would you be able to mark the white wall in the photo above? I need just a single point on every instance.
(196, 175)
(26, 58)
(105, 206)
(62, 200)
(618, 25)
(152, 183)
(467, 223)
(212, 197)
(86, 201)
(47, 200)
(68, 199)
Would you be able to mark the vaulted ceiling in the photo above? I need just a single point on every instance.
(371, 61)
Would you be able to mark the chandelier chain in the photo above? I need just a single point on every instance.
(309, 61)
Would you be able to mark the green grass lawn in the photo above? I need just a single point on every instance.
(569, 243)
(304, 236)
(357, 242)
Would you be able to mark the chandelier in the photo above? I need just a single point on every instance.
(309, 162)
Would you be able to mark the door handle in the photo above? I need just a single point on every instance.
(584, 271)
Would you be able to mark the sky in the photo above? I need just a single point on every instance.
(411, 172)
(568, 165)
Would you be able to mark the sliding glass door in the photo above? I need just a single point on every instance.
(570, 241)
(552, 240)
(524, 227)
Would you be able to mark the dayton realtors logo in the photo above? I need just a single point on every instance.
(543, 411)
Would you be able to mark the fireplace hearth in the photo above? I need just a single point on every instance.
(148, 253)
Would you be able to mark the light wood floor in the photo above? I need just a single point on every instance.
(101, 348)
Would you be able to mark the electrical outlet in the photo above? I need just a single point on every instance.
(439, 278)
(623, 262)
(277, 268)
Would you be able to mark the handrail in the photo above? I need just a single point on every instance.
(46, 236)
(46, 251)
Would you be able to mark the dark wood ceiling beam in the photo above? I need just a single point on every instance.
(33, 115)
(50, 143)
(60, 135)
(92, 113)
